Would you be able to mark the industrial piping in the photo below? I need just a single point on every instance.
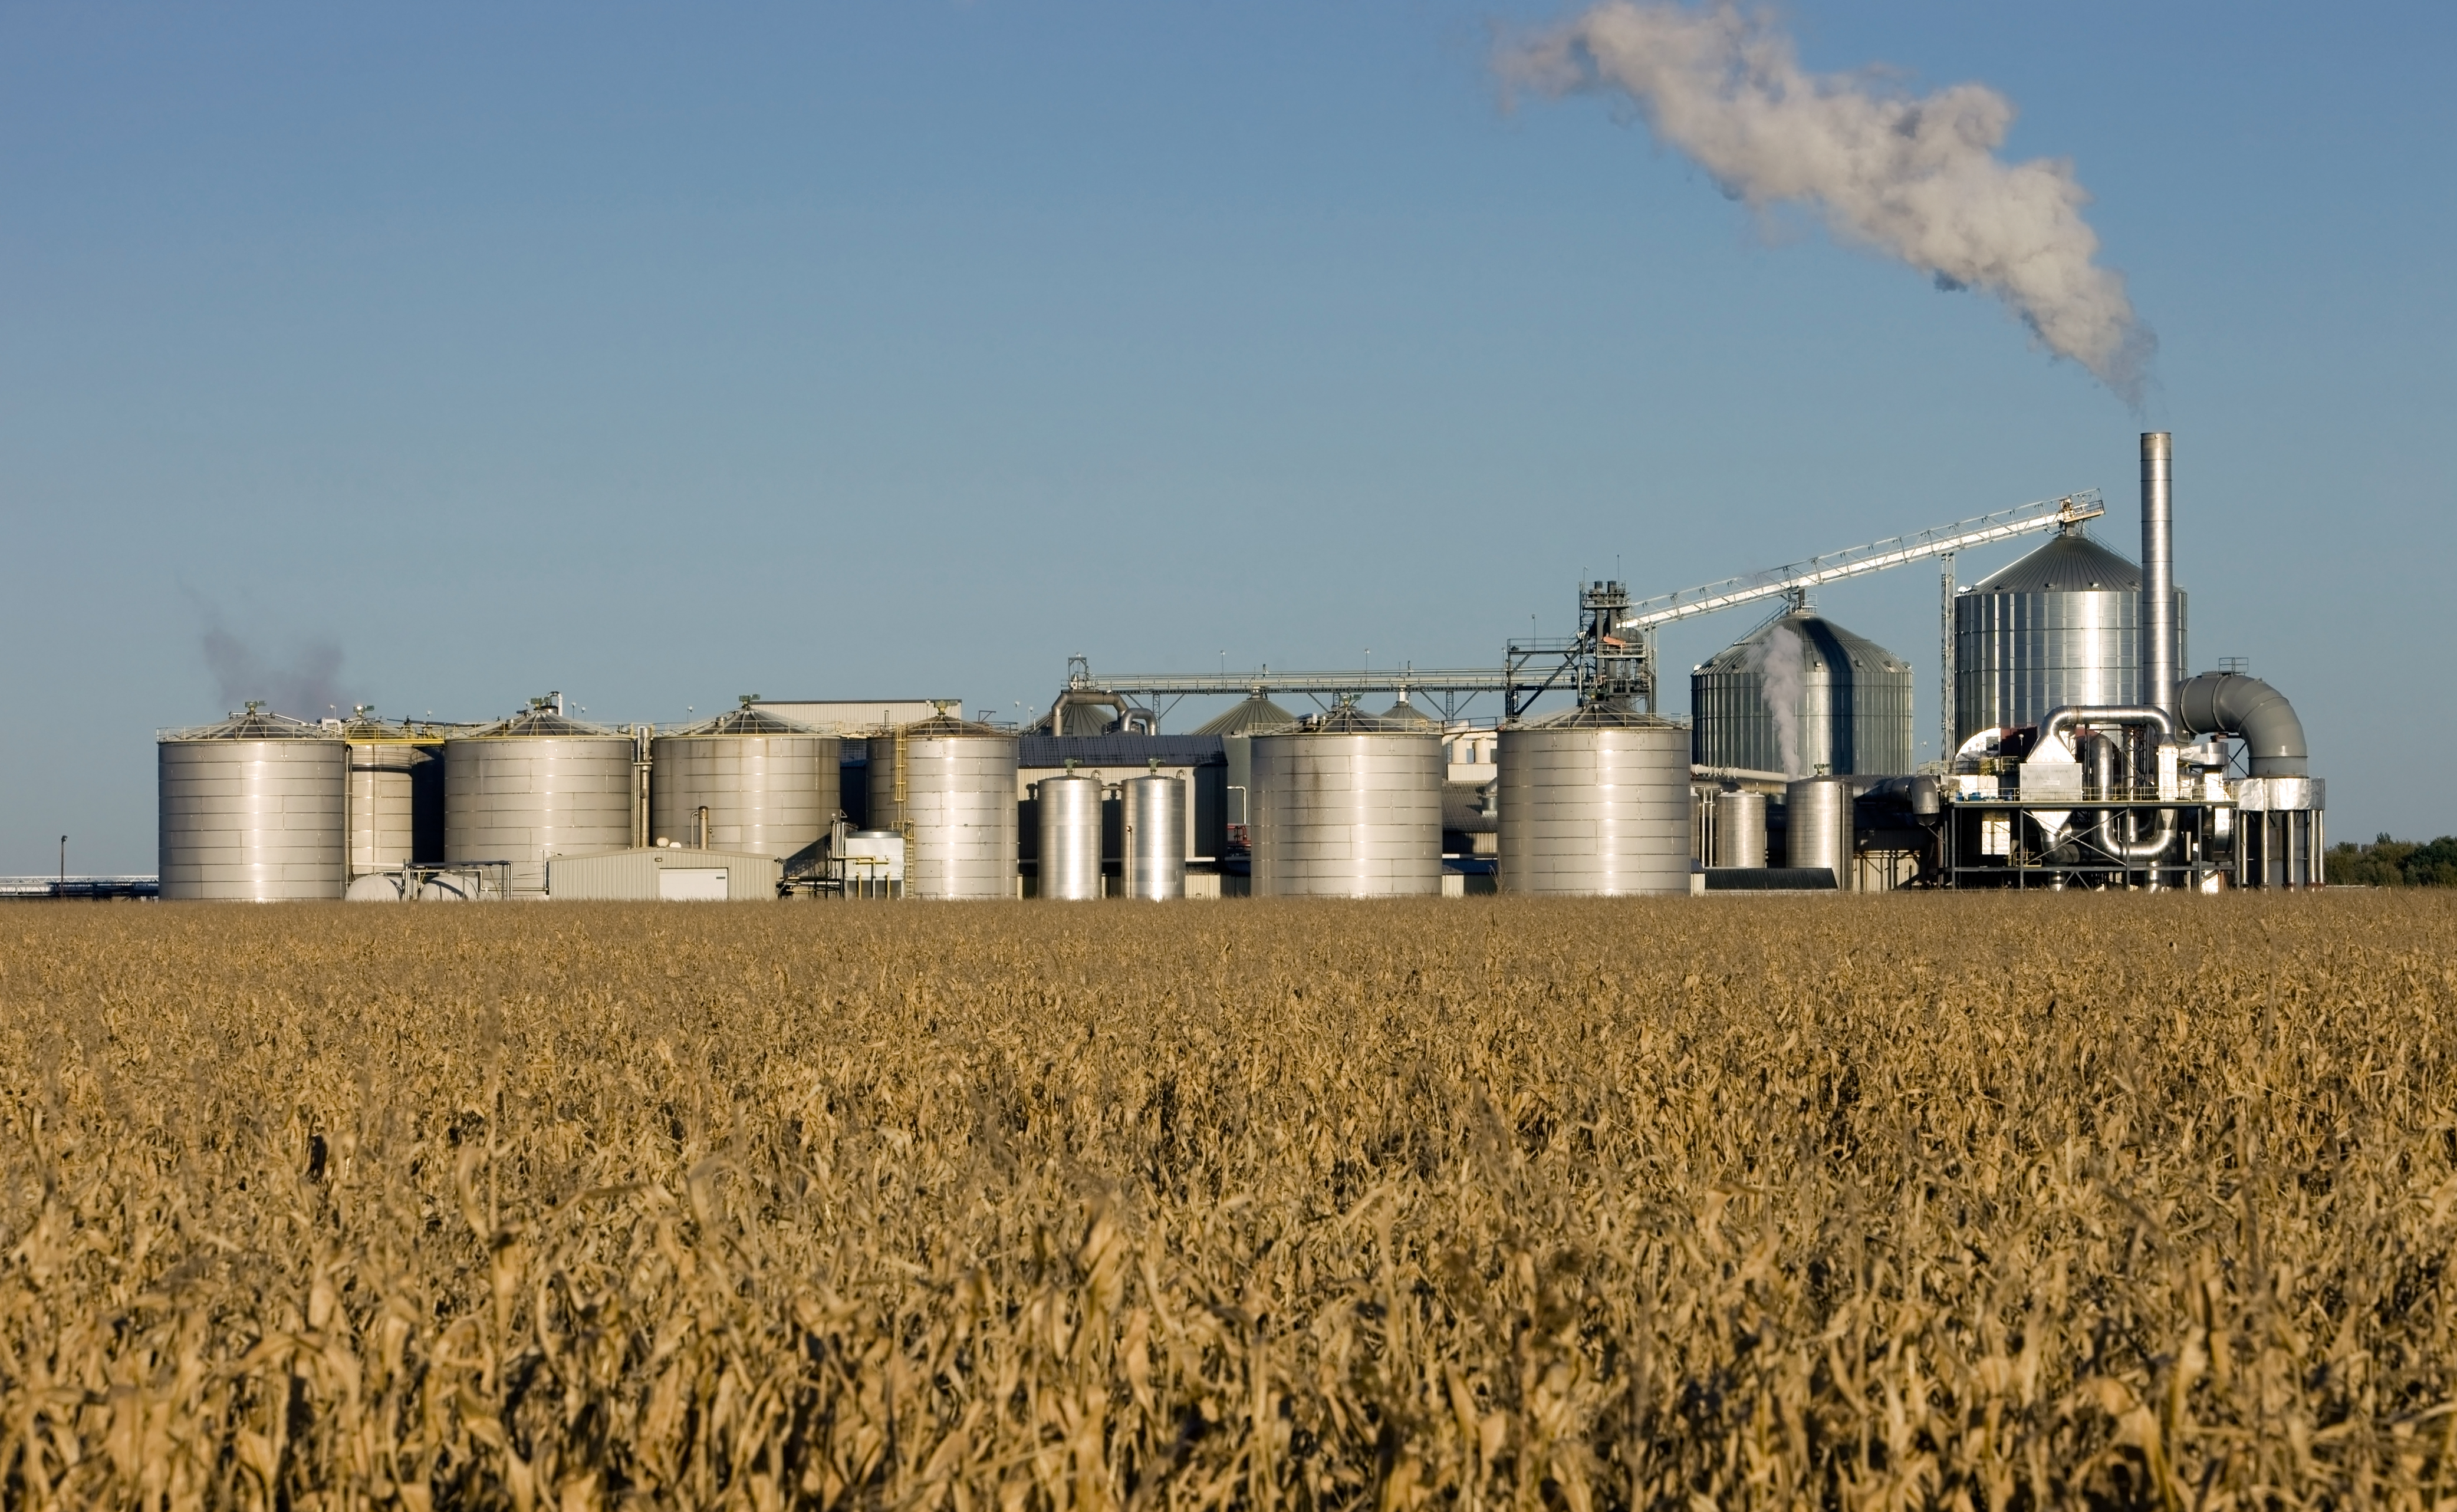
(2158, 676)
(2232, 704)
(2058, 720)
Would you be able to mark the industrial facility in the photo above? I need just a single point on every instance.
(2077, 753)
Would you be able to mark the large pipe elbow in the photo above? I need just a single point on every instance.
(2250, 710)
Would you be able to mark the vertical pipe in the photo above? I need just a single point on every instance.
(1945, 662)
(2157, 656)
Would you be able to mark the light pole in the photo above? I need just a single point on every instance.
(64, 863)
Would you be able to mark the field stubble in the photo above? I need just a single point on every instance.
(1911, 1201)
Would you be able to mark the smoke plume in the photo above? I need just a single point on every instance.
(306, 686)
(1915, 179)
(1780, 665)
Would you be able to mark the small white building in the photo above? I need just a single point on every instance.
(664, 874)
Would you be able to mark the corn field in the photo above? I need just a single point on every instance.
(1948, 1201)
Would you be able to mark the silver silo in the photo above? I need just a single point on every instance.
(1595, 802)
(948, 786)
(771, 786)
(1819, 830)
(1801, 694)
(255, 809)
(1155, 836)
(535, 786)
(396, 792)
(1070, 836)
(2060, 626)
(1739, 829)
(1350, 807)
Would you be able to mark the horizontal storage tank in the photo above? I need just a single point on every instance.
(771, 786)
(1350, 807)
(535, 786)
(1155, 846)
(1801, 695)
(253, 810)
(2062, 625)
(1595, 802)
(1071, 837)
(396, 792)
(949, 786)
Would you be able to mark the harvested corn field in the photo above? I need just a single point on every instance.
(1961, 1200)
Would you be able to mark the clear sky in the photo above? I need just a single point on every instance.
(657, 354)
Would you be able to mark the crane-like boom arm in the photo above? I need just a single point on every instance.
(1963, 535)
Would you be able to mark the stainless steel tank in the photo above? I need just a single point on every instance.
(255, 808)
(949, 786)
(772, 787)
(1819, 828)
(1071, 837)
(535, 786)
(1739, 829)
(1350, 807)
(396, 793)
(2060, 626)
(1595, 802)
(1155, 837)
(1799, 695)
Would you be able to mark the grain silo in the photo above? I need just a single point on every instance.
(949, 786)
(255, 809)
(1348, 807)
(2060, 626)
(537, 785)
(1595, 802)
(771, 786)
(1801, 695)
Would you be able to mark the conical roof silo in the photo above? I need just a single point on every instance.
(1802, 694)
(1595, 802)
(253, 808)
(1348, 807)
(771, 786)
(2060, 626)
(535, 786)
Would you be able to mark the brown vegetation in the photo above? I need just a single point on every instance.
(1984, 1202)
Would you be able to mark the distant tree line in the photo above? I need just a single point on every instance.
(2387, 863)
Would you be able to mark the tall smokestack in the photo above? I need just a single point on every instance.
(2159, 674)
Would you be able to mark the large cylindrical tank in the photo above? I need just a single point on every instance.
(396, 793)
(1819, 830)
(1800, 695)
(1739, 829)
(255, 809)
(771, 786)
(535, 786)
(2062, 625)
(1595, 802)
(1071, 837)
(1155, 837)
(949, 785)
(1350, 807)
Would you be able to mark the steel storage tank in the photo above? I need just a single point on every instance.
(772, 787)
(535, 786)
(1739, 829)
(1850, 700)
(2062, 625)
(1070, 836)
(396, 792)
(1350, 807)
(253, 810)
(1155, 838)
(1819, 828)
(1595, 802)
(948, 786)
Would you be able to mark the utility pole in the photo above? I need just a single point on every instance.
(64, 866)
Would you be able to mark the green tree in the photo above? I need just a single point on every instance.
(2391, 863)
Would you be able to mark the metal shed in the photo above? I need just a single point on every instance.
(664, 874)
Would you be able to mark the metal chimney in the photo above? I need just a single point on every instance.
(2158, 671)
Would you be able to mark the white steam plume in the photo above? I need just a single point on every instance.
(1783, 680)
(1918, 180)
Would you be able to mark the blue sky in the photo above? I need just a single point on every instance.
(659, 353)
